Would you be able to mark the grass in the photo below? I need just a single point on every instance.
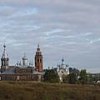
(10, 90)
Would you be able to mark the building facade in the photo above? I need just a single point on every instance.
(62, 70)
(22, 71)
(39, 60)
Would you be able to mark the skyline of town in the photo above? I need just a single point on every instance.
(32, 63)
(66, 29)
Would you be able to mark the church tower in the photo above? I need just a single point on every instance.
(25, 60)
(39, 60)
(4, 60)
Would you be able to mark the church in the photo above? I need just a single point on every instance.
(22, 71)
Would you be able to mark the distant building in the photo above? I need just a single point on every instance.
(39, 60)
(22, 70)
(62, 70)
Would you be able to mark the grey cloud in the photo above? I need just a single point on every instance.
(66, 28)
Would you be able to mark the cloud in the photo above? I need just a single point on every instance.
(64, 28)
(53, 32)
(25, 12)
(94, 41)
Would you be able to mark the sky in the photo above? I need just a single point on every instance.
(68, 29)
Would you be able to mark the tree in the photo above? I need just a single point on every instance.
(83, 77)
(72, 78)
(51, 76)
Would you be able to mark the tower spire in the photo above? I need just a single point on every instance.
(62, 61)
(39, 60)
(4, 59)
(38, 47)
(4, 46)
(4, 55)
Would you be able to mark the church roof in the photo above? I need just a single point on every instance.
(9, 71)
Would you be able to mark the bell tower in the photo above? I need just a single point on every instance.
(4, 60)
(39, 60)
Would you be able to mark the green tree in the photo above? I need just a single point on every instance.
(90, 79)
(83, 77)
(51, 76)
(72, 78)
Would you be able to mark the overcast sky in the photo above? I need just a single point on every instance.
(68, 29)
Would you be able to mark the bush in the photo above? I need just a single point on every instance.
(51, 76)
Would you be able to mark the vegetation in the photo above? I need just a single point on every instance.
(75, 77)
(51, 76)
(47, 91)
(83, 77)
(72, 78)
(79, 77)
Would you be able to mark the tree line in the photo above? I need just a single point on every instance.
(74, 77)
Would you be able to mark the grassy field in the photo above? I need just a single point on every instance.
(46, 91)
